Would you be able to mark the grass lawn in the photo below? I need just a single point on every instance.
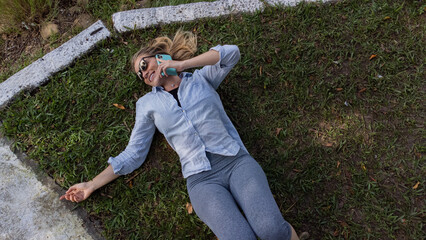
(329, 98)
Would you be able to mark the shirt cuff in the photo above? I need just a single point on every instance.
(116, 165)
(221, 50)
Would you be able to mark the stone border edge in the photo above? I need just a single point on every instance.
(93, 228)
(39, 71)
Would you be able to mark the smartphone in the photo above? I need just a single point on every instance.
(169, 71)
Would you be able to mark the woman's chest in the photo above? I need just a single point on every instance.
(196, 99)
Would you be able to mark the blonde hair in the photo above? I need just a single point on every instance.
(182, 47)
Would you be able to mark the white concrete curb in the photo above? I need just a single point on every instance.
(30, 209)
(292, 2)
(145, 17)
(39, 71)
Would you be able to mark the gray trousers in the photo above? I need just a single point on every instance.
(236, 183)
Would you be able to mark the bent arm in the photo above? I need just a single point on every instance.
(229, 55)
(208, 58)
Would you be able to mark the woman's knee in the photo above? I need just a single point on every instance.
(272, 228)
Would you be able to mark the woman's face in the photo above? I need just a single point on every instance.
(148, 71)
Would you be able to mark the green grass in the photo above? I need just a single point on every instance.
(14, 12)
(351, 145)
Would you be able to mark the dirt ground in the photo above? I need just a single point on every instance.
(19, 47)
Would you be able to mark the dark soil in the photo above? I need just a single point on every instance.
(22, 46)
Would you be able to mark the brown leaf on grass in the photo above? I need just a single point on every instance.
(343, 224)
(386, 18)
(338, 164)
(277, 131)
(277, 50)
(362, 90)
(119, 106)
(373, 56)
(106, 195)
(189, 208)
(336, 233)
(327, 144)
(59, 180)
(260, 71)
(416, 186)
(296, 170)
(339, 89)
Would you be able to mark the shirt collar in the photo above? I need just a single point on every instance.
(158, 88)
(182, 75)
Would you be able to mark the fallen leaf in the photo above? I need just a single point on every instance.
(339, 89)
(373, 179)
(373, 56)
(416, 186)
(60, 180)
(260, 70)
(131, 184)
(189, 208)
(343, 224)
(336, 233)
(119, 106)
(277, 50)
(297, 170)
(328, 144)
(338, 164)
(277, 131)
(386, 18)
(363, 167)
(106, 195)
(362, 90)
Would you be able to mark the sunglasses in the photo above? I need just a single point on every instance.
(143, 65)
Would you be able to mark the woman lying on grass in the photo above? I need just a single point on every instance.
(221, 175)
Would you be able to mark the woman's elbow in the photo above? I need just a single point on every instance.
(234, 53)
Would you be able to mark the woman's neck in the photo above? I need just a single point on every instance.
(171, 82)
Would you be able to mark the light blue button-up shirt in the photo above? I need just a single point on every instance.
(199, 125)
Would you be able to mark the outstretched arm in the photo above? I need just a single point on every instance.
(82, 191)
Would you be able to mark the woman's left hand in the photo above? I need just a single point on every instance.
(164, 64)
